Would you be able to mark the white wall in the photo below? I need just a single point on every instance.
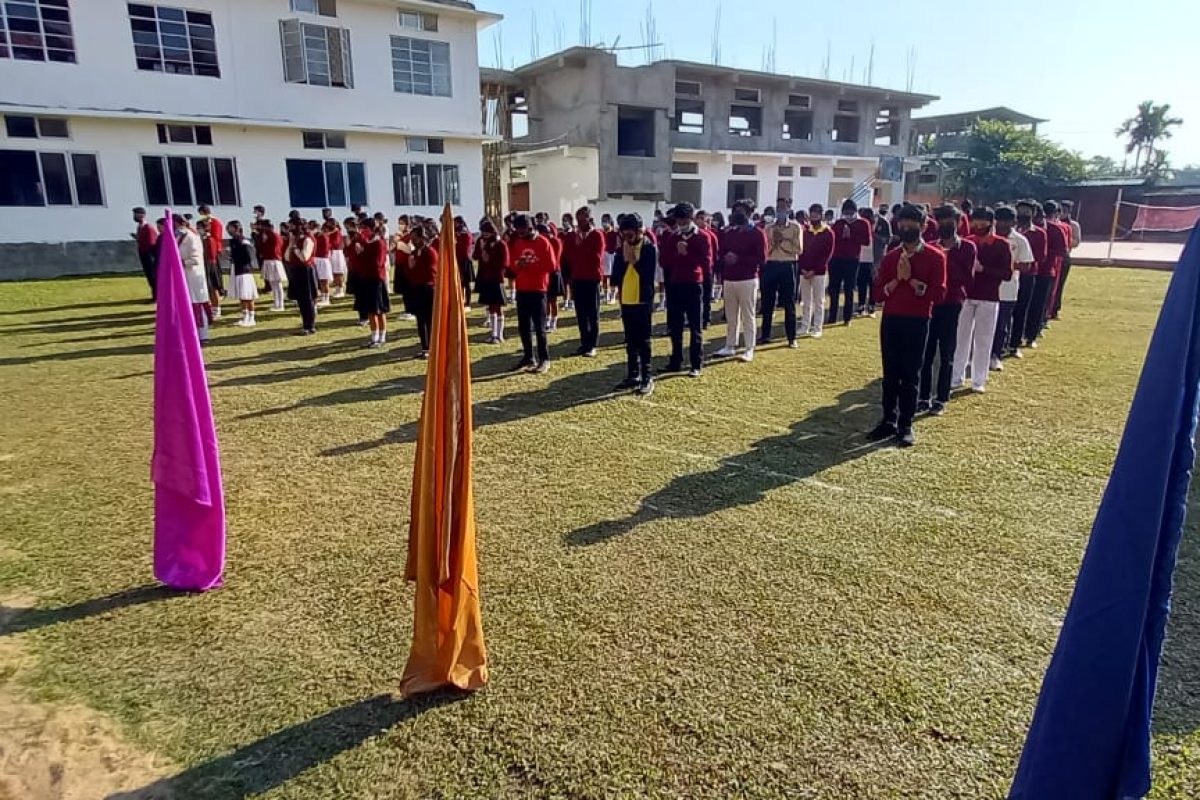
(564, 179)
(261, 154)
(250, 56)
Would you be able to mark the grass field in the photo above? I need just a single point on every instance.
(718, 592)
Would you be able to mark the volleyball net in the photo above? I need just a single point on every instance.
(1158, 219)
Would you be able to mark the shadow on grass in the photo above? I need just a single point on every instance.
(82, 324)
(273, 761)
(1177, 703)
(828, 436)
(77, 307)
(13, 621)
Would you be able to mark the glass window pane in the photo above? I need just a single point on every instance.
(417, 181)
(20, 127)
(180, 179)
(335, 141)
(437, 146)
(313, 140)
(306, 183)
(357, 175)
(20, 184)
(156, 181)
(400, 191)
(227, 183)
(57, 182)
(170, 14)
(450, 185)
(203, 135)
(335, 183)
(203, 182)
(88, 190)
(433, 185)
(53, 128)
(181, 134)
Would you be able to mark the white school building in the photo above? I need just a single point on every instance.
(287, 104)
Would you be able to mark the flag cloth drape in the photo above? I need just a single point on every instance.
(1090, 737)
(447, 647)
(189, 500)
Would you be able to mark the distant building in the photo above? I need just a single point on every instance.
(230, 103)
(940, 142)
(579, 129)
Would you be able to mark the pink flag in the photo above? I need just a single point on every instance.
(189, 499)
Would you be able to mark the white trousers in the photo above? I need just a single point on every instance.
(812, 304)
(976, 328)
(741, 298)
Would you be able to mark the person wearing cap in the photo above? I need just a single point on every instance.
(911, 280)
(785, 243)
(684, 254)
(977, 323)
(943, 326)
(851, 234)
(634, 265)
(584, 250)
(533, 260)
(743, 254)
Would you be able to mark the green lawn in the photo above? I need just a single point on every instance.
(719, 592)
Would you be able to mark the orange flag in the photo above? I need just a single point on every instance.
(447, 646)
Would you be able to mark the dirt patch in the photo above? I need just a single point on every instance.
(61, 752)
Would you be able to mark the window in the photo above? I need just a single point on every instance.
(167, 39)
(687, 88)
(31, 179)
(845, 128)
(420, 66)
(747, 95)
(786, 172)
(426, 184)
(745, 121)
(326, 8)
(843, 172)
(927, 178)
(887, 126)
(685, 167)
(741, 190)
(419, 22)
(808, 172)
(798, 126)
(20, 127)
(518, 114)
(420, 144)
(36, 30)
(687, 190)
(635, 132)
(785, 190)
(744, 169)
(847, 106)
(323, 140)
(689, 116)
(799, 101)
(318, 55)
(318, 184)
(190, 181)
(184, 134)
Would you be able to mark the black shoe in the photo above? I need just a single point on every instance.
(627, 384)
(764, 340)
(542, 368)
(579, 352)
(905, 439)
(646, 388)
(884, 430)
(526, 363)
(937, 409)
(923, 407)
(674, 367)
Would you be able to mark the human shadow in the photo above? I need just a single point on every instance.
(81, 324)
(274, 760)
(828, 436)
(18, 620)
(77, 307)
(81, 355)
(574, 390)
(1177, 702)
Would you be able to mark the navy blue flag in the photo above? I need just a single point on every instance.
(1090, 737)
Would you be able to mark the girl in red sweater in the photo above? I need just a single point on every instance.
(491, 258)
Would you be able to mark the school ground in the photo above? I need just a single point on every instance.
(717, 592)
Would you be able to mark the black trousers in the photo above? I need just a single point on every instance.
(902, 344)
(684, 305)
(843, 278)
(1039, 306)
(587, 312)
(941, 345)
(706, 302)
(1004, 324)
(531, 323)
(421, 304)
(779, 288)
(1063, 272)
(308, 310)
(637, 322)
(866, 277)
(150, 269)
(1021, 311)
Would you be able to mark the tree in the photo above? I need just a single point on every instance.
(1143, 131)
(1005, 162)
(1101, 167)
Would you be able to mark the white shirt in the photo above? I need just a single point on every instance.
(1022, 253)
(191, 253)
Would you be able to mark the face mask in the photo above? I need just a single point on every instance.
(946, 230)
(1024, 220)
(910, 235)
(738, 219)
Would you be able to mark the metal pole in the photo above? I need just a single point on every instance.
(1113, 233)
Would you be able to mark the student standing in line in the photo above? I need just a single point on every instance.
(1023, 263)
(930, 234)
(245, 290)
(400, 243)
(1028, 216)
(684, 256)
(368, 265)
(866, 263)
(422, 275)
(977, 323)
(785, 243)
(964, 219)
(464, 243)
(911, 280)
(337, 256)
(146, 237)
(943, 326)
(666, 225)
(850, 233)
(273, 272)
(585, 248)
(491, 256)
(814, 272)
(711, 281)
(633, 275)
(612, 243)
(1058, 248)
(191, 253)
(881, 239)
(557, 287)
(743, 254)
(302, 278)
(215, 234)
(533, 261)
(354, 228)
(322, 264)
(1076, 238)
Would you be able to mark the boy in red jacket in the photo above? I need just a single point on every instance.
(814, 272)
(422, 275)
(533, 260)
(685, 256)
(585, 249)
(911, 280)
(851, 234)
(977, 323)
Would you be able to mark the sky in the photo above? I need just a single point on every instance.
(1083, 70)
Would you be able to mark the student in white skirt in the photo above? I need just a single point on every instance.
(612, 240)
(337, 256)
(273, 272)
(245, 289)
(322, 265)
(191, 253)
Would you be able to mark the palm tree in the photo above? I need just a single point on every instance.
(1145, 129)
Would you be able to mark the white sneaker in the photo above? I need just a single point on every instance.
(746, 357)
(978, 389)
(996, 365)
(725, 352)
(216, 311)
(407, 318)
(817, 334)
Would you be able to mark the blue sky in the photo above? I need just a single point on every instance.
(1083, 70)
